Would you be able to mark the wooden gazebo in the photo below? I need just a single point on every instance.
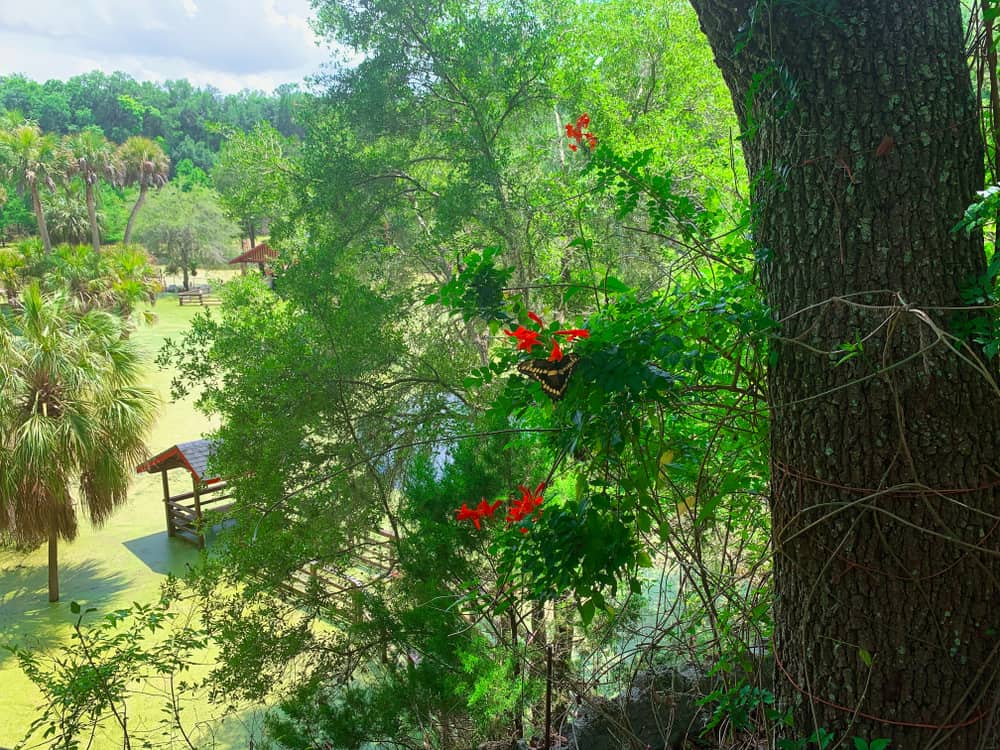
(184, 511)
(261, 254)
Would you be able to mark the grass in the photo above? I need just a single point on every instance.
(107, 568)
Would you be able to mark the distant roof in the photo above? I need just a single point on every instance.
(262, 253)
(192, 456)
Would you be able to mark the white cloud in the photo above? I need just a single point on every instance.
(230, 44)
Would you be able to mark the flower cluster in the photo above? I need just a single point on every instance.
(579, 133)
(483, 510)
(528, 339)
(527, 506)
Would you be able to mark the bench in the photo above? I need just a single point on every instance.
(197, 298)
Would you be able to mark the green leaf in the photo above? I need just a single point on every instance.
(74, 607)
(613, 285)
(707, 508)
(866, 657)
(587, 610)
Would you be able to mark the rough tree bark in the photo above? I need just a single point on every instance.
(862, 143)
(53, 565)
(43, 229)
(130, 225)
(95, 232)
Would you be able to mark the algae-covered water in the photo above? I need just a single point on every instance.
(107, 568)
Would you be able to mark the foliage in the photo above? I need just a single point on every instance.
(188, 175)
(16, 216)
(32, 160)
(145, 164)
(117, 280)
(175, 113)
(92, 158)
(185, 229)
(981, 324)
(435, 169)
(88, 683)
(72, 412)
(252, 176)
(66, 216)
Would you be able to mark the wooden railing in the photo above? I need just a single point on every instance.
(185, 512)
(364, 570)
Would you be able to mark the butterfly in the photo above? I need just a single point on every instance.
(552, 376)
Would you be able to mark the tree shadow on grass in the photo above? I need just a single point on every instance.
(29, 620)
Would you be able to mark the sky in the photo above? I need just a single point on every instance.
(228, 44)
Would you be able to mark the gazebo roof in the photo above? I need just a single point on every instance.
(262, 253)
(192, 456)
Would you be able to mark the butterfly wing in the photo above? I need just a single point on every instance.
(552, 376)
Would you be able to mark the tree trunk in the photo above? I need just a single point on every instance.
(135, 211)
(95, 234)
(43, 229)
(862, 143)
(53, 565)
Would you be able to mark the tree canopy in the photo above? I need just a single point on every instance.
(599, 354)
(176, 113)
(185, 228)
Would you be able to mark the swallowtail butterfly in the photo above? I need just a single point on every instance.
(552, 376)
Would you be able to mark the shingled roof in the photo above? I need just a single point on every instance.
(262, 253)
(192, 456)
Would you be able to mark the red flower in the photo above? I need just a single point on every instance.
(572, 334)
(579, 134)
(534, 498)
(556, 354)
(535, 318)
(515, 514)
(486, 510)
(465, 513)
(526, 338)
(526, 505)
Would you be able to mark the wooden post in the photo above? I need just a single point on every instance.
(166, 502)
(197, 512)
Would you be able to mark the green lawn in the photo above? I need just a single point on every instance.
(104, 568)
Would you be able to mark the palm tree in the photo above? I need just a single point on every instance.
(71, 413)
(92, 157)
(12, 265)
(143, 163)
(66, 216)
(131, 280)
(32, 159)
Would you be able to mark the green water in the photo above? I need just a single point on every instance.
(106, 568)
